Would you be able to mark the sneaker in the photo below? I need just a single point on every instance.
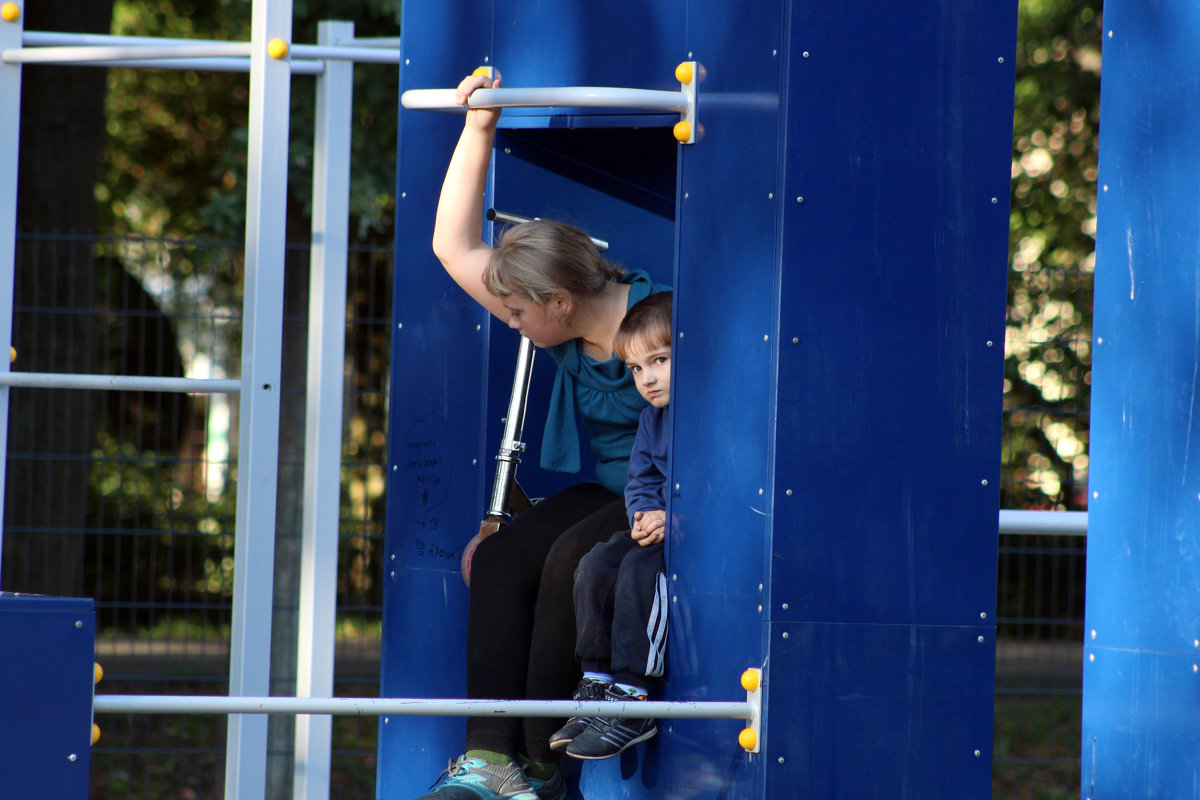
(555, 788)
(476, 779)
(606, 737)
(588, 689)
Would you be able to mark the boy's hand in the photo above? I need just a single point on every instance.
(649, 527)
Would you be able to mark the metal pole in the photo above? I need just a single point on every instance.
(1067, 523)
(368, 706)
(258, 433)
(550, 96)
(132, 383)
(316, 635)
(10, 135)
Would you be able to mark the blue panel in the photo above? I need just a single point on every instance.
(860, 711)
(1139, 737)
(437, 471)
(46, 696)
(892, 313)
(1140, 728)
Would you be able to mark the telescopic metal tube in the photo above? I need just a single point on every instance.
(511, 446)
(1066, 523)
(367, 706)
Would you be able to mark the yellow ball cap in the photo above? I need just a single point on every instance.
(97, 672)
(684, 72)
(748, 739)
(277, 48)
(12, 354)
(96, 733)
(11, 12)
(750, 680)
(683, 130)
(484, 71)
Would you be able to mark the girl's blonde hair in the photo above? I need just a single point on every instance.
(536, 258)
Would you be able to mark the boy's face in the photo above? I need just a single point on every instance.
(651, 368)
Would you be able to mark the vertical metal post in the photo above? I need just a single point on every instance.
(10, 137)
(258, 432)
(323, 422)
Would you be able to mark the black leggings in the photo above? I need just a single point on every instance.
(521, 625)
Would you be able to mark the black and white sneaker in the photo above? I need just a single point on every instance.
(605, 737)
(588, 689)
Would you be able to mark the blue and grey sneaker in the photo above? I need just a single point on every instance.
(554, 788)
(606, 737)
(588, 689)
(476, 779)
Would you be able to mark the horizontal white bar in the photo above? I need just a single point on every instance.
(132, 383)
(549, 96)
(83, 54)
(412, 707)
(361, 54)
(298, 67)
(58, 38)
(1069, 523)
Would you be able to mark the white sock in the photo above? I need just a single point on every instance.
(600, 677)
(634, 690)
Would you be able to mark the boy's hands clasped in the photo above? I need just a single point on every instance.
(649, 527)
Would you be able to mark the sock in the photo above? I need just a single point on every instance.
(602, 677)
(634, 690)
(491, 757)
(538, 770)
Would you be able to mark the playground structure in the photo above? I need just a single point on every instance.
(790, 231)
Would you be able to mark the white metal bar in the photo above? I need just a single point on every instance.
(549, 96)
(359, 53)
(61, 39)
(84, 53)
(298, 67)
(131, 383)
(10, 135)
(258, 440)
(1068, 523)
(369, 706)
(316, 635)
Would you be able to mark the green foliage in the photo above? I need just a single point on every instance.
(1052, 244)
(175, 161)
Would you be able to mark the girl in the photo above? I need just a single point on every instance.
(547, 281)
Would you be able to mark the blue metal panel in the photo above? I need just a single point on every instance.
(436, 490)
(46, 696)
(1140, 726)
(892, 313)
(1144, 518)
(879, 711)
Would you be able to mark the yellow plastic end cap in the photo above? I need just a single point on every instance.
(684, 72)
(11, 12)
(277, 48)
(95, 733)
(12, 354)
(748, 739)
(750, 680)
(97, 672)
(484, 71)
(683, 130)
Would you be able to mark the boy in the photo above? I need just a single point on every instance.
(620, 588)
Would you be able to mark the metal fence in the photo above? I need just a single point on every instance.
(128, 498)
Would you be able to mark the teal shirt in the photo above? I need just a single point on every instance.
(604, 396)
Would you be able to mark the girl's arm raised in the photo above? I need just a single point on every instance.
(456, 240)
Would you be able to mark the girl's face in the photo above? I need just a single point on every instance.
(541, 324)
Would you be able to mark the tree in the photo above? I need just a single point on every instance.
(1052, 247)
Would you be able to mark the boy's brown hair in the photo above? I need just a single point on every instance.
(647, 324)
